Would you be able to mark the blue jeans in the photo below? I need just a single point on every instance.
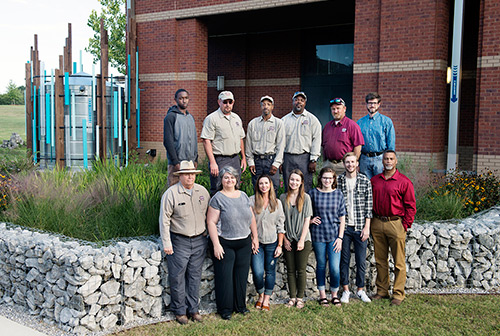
(371, 166)
(264, 261)
(359, 254)
(322, 250)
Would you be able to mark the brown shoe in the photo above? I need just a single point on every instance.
(196, 317)
(379, 297)
(396, 302)
(182, 319)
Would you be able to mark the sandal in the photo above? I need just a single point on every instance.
(336, 302)
(258, 305)
(299, 304)
(324, 302)
(290, 303)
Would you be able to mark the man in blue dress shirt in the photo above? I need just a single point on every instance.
(379, 134)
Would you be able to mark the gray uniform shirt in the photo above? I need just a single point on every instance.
(269, 224)
(303, 134)
(265, 137)
(225, 131)
(294, 220)
(235, 215)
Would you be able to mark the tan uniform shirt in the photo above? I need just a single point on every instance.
(303, 134)
(265, 137)
(183, 212)
(225, 131)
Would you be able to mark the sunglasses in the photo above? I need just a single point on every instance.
(337, 101)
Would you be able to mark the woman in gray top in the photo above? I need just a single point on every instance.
(298, 211)
(271, 230)
(233, 234)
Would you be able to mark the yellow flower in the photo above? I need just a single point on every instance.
(476, 209)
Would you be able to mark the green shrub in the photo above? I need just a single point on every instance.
(99, 204)
(444, 207)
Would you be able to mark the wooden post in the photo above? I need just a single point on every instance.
(132, 48)
(59, 118)
(104, 75)
(36, 83)
(61, 61)
(99, 95)
(69, 52)
(29, 111)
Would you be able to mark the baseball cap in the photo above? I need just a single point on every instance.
(299, 93)
(337, 101)
(224, 95)
(268, 98)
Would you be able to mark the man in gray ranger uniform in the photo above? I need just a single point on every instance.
(179, 135)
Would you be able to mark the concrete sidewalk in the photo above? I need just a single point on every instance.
(9, 327)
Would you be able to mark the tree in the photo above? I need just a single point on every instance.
(14, 95)
(115, 21)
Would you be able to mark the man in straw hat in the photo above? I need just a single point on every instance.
(183, 234)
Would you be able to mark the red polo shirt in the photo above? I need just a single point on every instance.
(394, 197)
(341, 138)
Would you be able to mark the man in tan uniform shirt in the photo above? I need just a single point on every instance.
(223, 136)
(183, 234)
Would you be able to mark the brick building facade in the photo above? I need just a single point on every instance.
(400, 49)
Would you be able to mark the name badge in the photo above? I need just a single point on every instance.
(305, 122)
(271, 128)
(344, 129)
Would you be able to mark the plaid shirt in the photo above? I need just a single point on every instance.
(363, 199)
(329, 206)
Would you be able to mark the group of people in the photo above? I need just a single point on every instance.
(344, 209)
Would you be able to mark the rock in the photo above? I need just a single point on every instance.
(109, 322)
(87, 261)
(442, 266)
(110, 288)
(426, 272)
(134, 288)
(154, 290)
(91, 285)
(149, 272)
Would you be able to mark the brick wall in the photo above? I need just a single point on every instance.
(488, 84)
(400, 50)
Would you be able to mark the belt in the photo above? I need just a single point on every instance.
(226, 156)
(264, 156)
(373, 154)
(297, 154)
(387, 218)
(188, 237)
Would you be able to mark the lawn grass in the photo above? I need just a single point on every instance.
(12, 120)
(418, 315)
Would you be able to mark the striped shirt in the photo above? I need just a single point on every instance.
(329, 206)
(362, 200)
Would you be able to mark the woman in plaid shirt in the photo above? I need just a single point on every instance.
(327, 232)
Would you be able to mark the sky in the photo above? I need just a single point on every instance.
(20, 20)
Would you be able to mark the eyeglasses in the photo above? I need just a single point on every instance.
(227, 102)
(372, 103)
(337, 101)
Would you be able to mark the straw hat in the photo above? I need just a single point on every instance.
(187, 167)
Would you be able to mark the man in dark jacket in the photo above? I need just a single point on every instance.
(179, 135)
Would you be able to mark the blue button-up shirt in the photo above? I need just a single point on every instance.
(378, 132)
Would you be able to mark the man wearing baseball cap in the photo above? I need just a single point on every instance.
(265, 143)
(223, 135)
(183, 234)
(340, 136)
(303, 141)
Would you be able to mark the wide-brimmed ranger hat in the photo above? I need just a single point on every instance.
(187, 167)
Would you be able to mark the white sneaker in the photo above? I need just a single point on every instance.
(345, 297)
(362, 295)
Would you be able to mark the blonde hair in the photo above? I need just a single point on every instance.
(259, 199)
(301, 195)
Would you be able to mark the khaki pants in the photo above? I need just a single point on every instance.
(389, 234)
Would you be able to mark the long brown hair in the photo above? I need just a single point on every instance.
(327, 170)
(300, 196)
(259, 200)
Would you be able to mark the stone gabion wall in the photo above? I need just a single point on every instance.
(84, 288)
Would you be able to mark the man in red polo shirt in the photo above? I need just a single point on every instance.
(340, 136)
(394, 209)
